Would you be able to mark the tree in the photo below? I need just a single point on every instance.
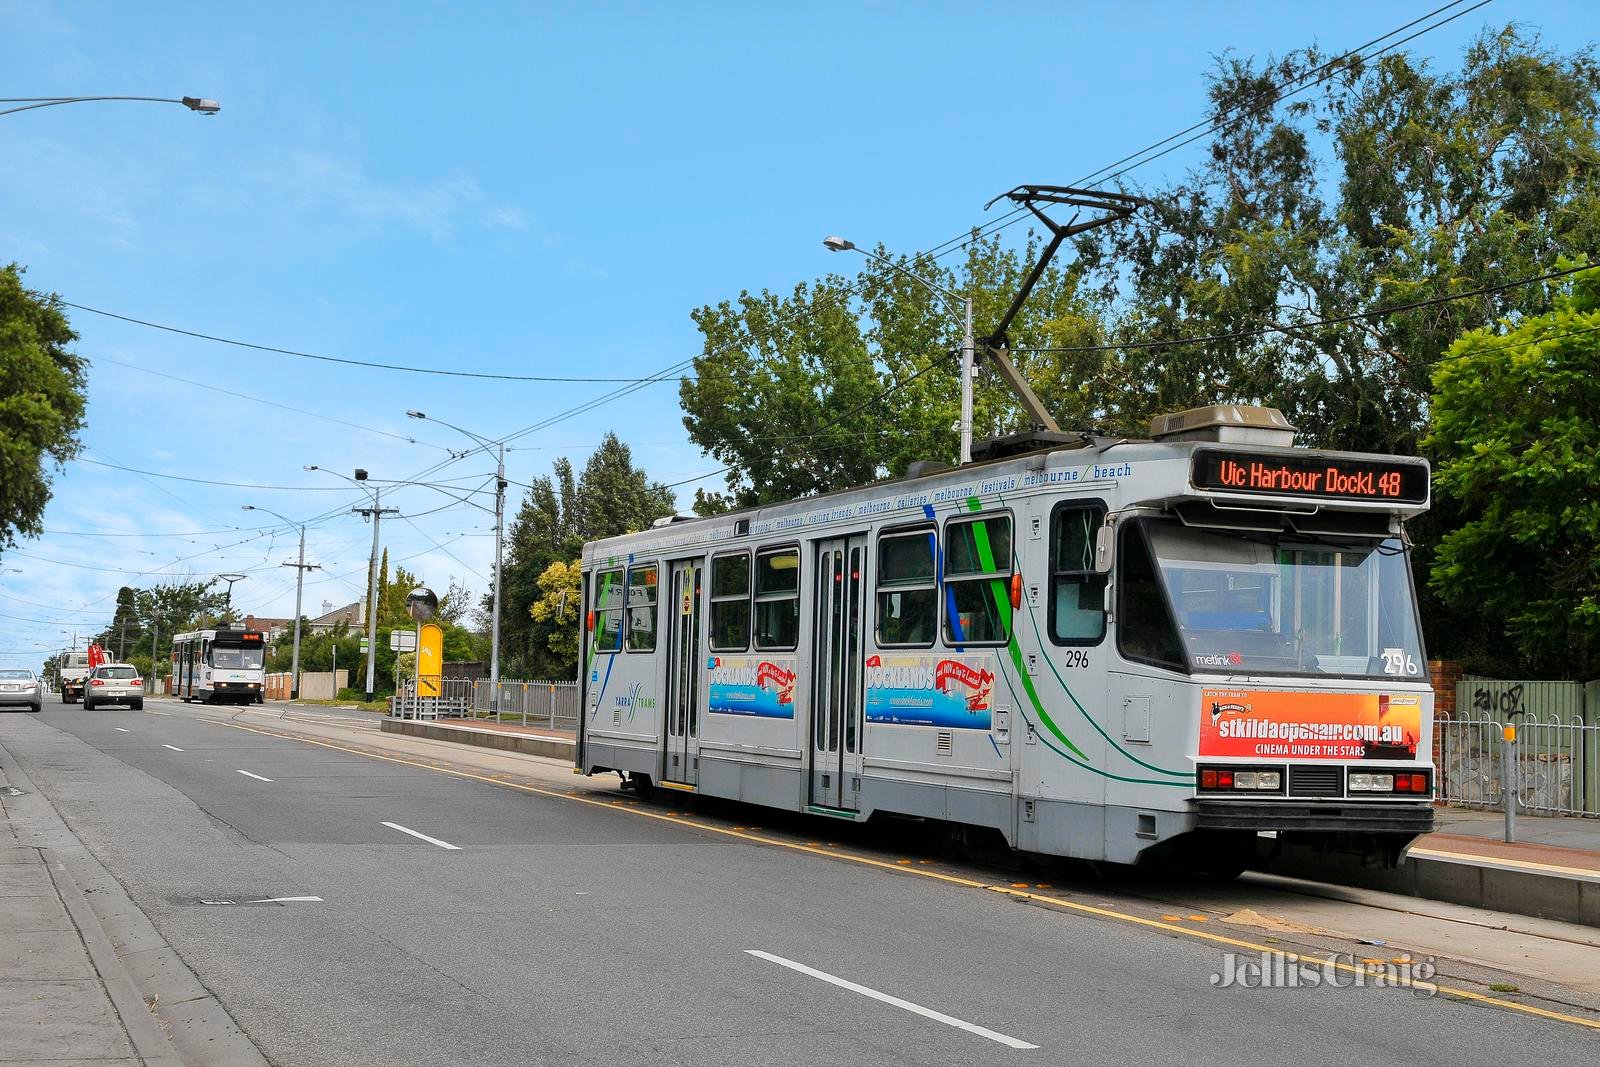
(1391, 183)
(560, 598)
(122, 636)
(846, 380)
(42, 386)
(560, 513)
(615, 497)
(1516, 443)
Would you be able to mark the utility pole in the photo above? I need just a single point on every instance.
(155, 644)
(300, 569)
(299, 586)
(376, 513)
(494, 626)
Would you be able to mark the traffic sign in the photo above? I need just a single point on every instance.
(403, 640)
(364, 646)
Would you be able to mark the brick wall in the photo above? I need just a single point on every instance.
(1444, 674)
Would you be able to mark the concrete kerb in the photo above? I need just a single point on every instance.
(528, 744)
(146, 1036)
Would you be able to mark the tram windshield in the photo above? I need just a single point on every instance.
(239, 659)
(1278, 603)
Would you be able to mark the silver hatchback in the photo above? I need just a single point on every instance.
(20, 688)
(113, 683)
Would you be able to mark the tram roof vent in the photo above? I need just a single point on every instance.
(1239, 424)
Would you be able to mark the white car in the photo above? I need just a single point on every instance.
(114, 683)
(20, 688)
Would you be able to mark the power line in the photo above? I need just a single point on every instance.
(1301, 327)
(1272, 96)
(269, 403)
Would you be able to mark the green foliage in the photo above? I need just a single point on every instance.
(560, 512)
(793, 393)
(1516, 441)
(560, 599)
(41, 402)
(1392, 182)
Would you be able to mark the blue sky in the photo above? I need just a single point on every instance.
(507, 188)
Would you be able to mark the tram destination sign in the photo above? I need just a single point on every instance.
(1401, 481)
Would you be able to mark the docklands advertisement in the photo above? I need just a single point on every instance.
(929, 690)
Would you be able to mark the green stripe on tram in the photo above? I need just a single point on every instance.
(1002, 603)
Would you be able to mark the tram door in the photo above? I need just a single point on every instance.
(681, 760)
(836, 673)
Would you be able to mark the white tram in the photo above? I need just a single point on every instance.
(1107, 649)
(218, 666)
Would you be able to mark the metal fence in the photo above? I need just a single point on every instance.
(532, 703)
(1558, 763)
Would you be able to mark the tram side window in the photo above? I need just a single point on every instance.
(977, 580)
(608, 611)
(730, 603)
(641, 635)
(1145, 630)
(1077, 593)
(908, 589)
(778, 599)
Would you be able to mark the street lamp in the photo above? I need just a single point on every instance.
(299, 586)
(834, 243)
(499, 522)
(376, 511)
(193, 103)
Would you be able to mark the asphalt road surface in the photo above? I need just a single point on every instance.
(458, 921)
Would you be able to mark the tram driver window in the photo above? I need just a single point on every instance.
(642, 609)
(608, 611)
(908, 589)
(730, 603)
(1077, 593)
(778, 599)
(977, 580)
(1145, 629)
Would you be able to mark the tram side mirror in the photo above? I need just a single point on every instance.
(1104, 550)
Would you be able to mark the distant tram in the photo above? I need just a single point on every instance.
(1122, 650)
(219, 666)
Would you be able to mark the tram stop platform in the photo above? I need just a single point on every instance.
(1552, 871)
(553, 743)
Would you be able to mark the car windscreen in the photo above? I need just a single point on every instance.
(17, 676)
(237, 659)
(116, 672)
(1270, 603)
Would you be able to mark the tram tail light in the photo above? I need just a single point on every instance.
(1411, 783)
(1240, 779)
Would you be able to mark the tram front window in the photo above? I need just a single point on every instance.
(237, 659)
(1277, 603)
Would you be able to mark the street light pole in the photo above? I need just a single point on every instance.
(299, 587)
(29, 103)
(499, 526)
(840, 244)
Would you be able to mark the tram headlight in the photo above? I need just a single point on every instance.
(1362, 782)
(1257, 779)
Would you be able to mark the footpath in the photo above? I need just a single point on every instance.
(1552, 871)
(84, 982)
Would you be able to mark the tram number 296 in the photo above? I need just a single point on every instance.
(1074, 657)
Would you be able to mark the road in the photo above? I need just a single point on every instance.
(544, 918)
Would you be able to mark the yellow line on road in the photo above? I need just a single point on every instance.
(966, 883)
